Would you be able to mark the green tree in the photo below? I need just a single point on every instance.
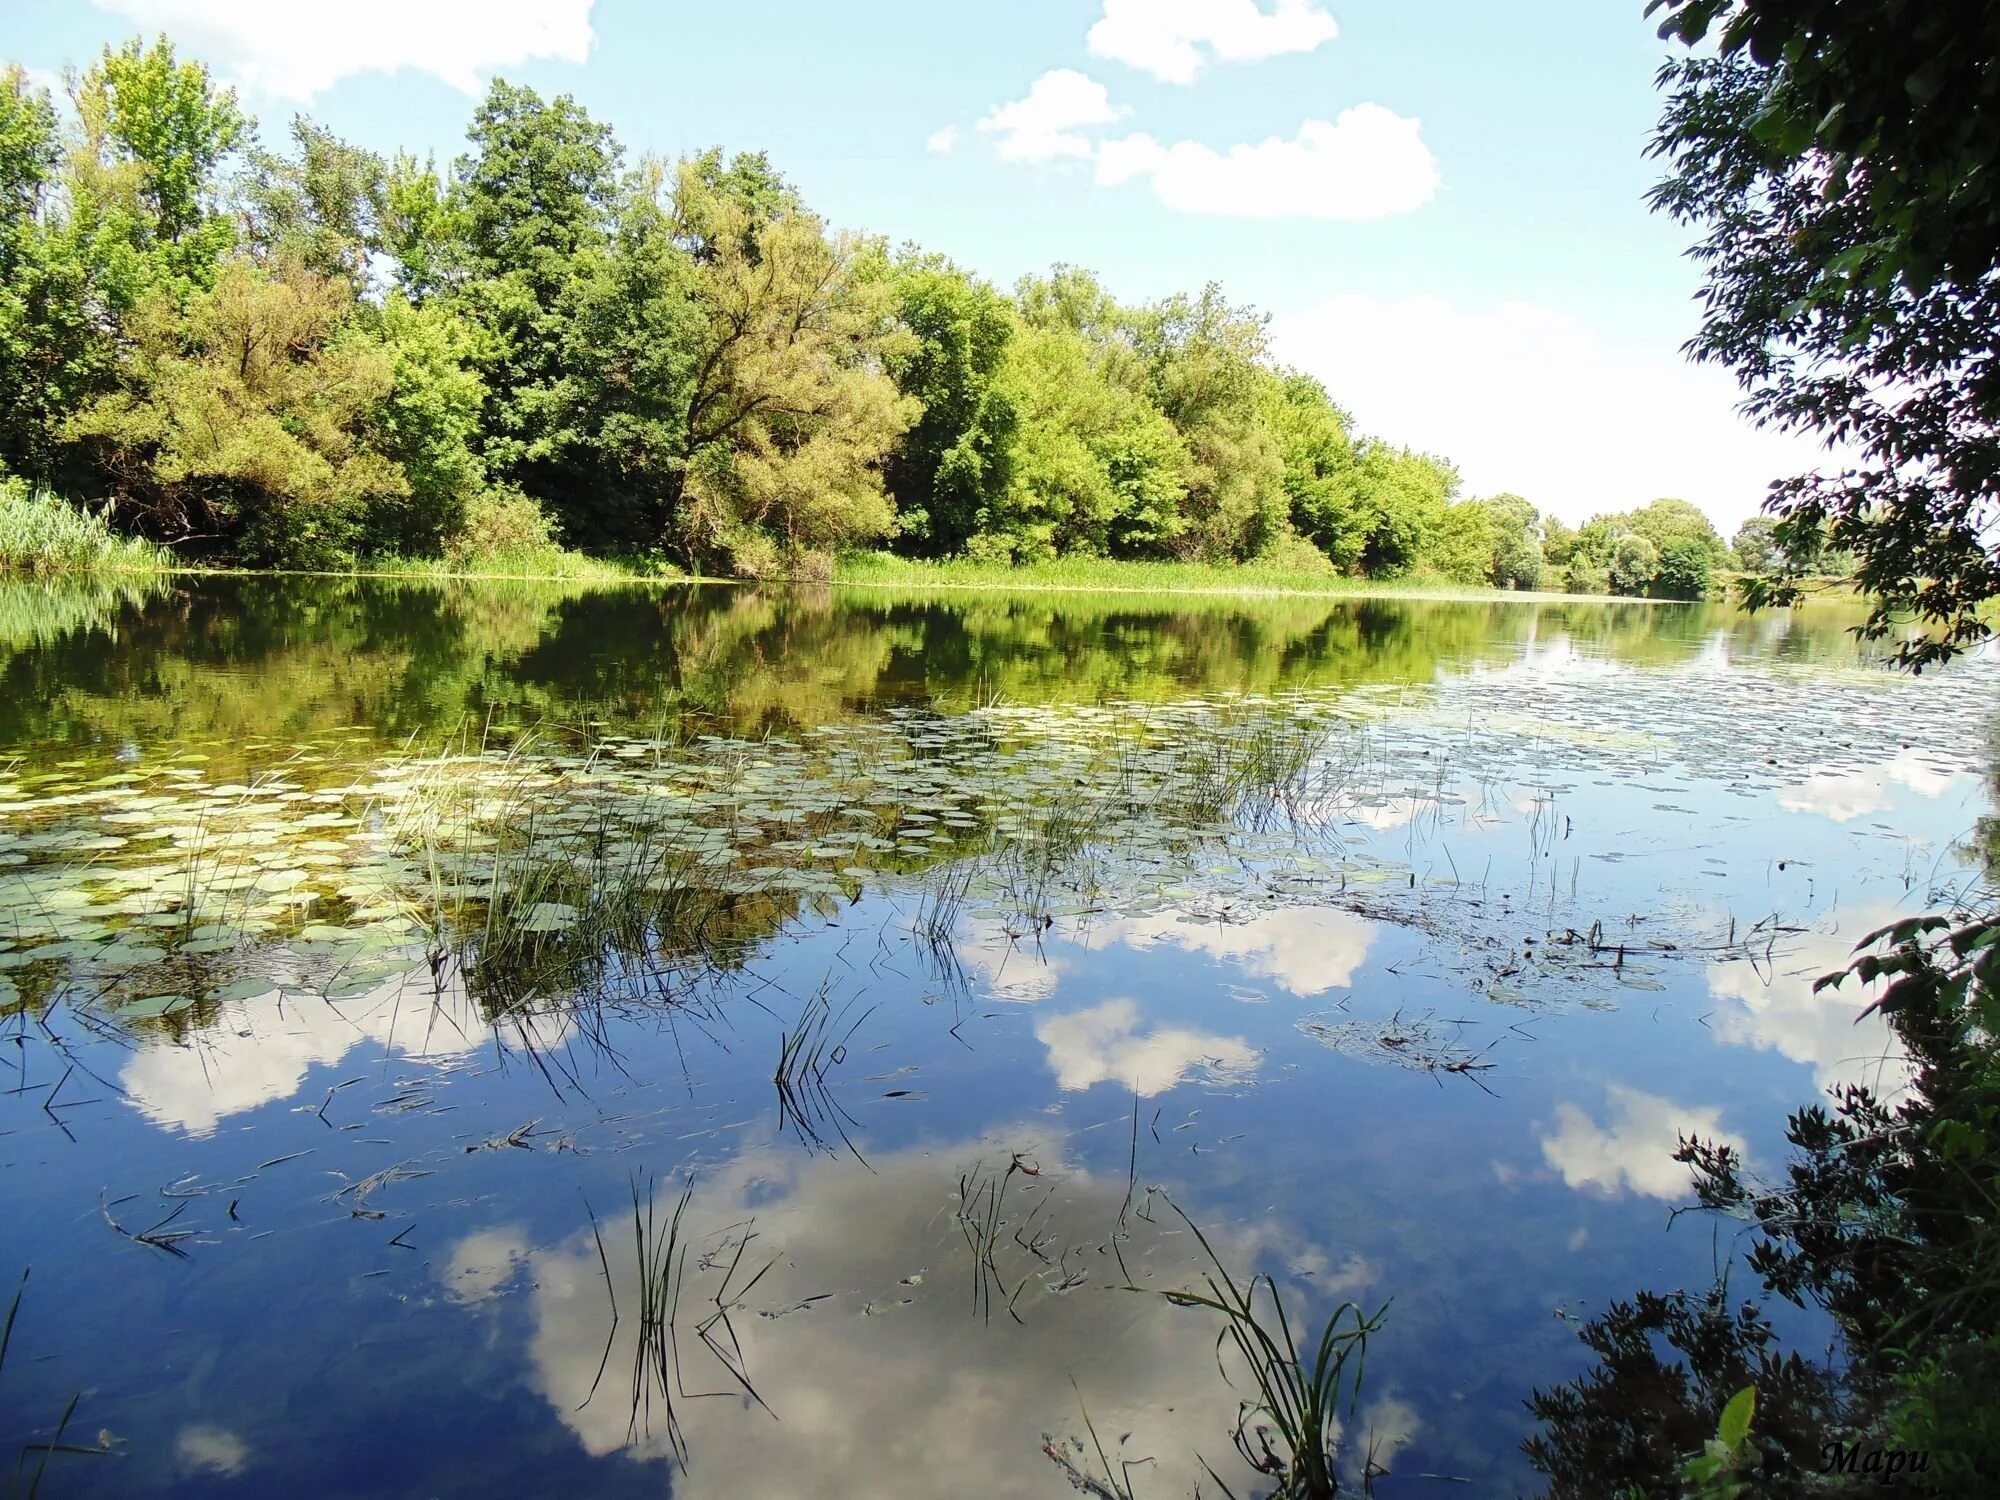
(1686, 569)
(1558, 542)
(42, 317)
(1204, 370)
(1837, 156)
(1517, 542)
(1320, 467)
(790, 414)
(956, 462)
(1634, 563)
(154, 135)
(1463, 542)
(243, 424)
(1097, 468)
(322, 207)
(1404, 494)
(532, 200)
(1756, 545)
(427, 422)
(1663, 521)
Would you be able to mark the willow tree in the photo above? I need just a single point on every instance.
(242, 424)
(790, 411)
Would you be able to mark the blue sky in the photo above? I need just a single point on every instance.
(1440, 202)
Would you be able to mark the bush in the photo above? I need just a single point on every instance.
(41, 534)
(1686, 570)
(502, 522)
(1582, 576)
(1634, 561)
(1294, 554)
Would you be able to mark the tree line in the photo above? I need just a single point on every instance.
(308, 356)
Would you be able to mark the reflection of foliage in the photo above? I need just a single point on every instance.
(243, 659)
(1633, 1419)
(1888, 1218)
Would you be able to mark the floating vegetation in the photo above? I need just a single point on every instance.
(553, 871)
(1424, 1043)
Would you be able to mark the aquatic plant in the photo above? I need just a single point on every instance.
(55, 1443)
(43, 534)
(1300, 1391)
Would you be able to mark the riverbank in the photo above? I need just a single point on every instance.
(1096, 575)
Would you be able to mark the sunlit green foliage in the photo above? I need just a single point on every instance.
(246, 416)
(546, 344)
(955, 465)
(1096, 469)
(791, 415)
(1517, 542)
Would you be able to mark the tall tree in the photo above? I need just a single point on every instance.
(956, 462)
(322, 206)
(1320, 467)
(156, 132)
(532, 200)
(1838, 156)
(790, 414)
(1204, 367)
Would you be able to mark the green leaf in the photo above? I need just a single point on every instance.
(1736, 1416)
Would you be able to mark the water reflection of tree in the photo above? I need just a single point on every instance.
(243, 660)
(1887, 1218)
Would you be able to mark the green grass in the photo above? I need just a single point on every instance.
(536, 563)
(1104, 575)
(42, 535)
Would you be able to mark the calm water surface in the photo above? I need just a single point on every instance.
(365, 948)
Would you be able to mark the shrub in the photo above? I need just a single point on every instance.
(1686, 569)
(1582, 576)
(502, 521)
(1294, 554)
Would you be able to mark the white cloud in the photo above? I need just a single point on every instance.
(1008, 970)
(1370, 163)
(1635, 1150)
(264, 1046)
(482, 1263)
(1307, 950)
(1104, 1045)
(942, 141)
(1528, 399)
(1776, 1009)
(297, 51)
(869, 1272)
(1043, 126)
(1175, 39)
(206, 1449)
(1843, 796)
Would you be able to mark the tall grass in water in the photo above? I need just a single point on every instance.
(42, 534)
(55, 1444)
(1297, 1401)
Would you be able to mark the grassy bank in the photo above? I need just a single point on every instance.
(556, 564)
(1106, 576)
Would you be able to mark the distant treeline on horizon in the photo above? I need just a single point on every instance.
(307, 357)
